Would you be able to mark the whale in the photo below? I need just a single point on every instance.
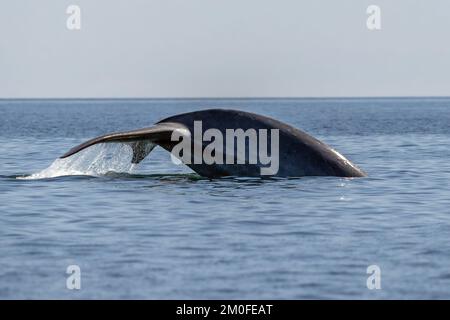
(298, 153)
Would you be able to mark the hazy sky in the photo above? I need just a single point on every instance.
(224, 48)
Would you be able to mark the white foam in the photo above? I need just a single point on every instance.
(93, 161)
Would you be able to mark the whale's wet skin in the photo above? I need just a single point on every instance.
(158, 230)
(246, 152)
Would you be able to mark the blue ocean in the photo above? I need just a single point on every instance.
(159, 231)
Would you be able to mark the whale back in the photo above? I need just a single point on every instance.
(300, 154)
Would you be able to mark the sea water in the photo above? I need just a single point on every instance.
(158, 230)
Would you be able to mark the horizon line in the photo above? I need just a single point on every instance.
(222, 98)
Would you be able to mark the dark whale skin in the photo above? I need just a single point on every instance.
(299, 153)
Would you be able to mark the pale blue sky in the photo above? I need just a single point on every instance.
(224, 48)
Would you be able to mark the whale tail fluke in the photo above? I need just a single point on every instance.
(142, 141)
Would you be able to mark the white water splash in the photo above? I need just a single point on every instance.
(97, 160)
